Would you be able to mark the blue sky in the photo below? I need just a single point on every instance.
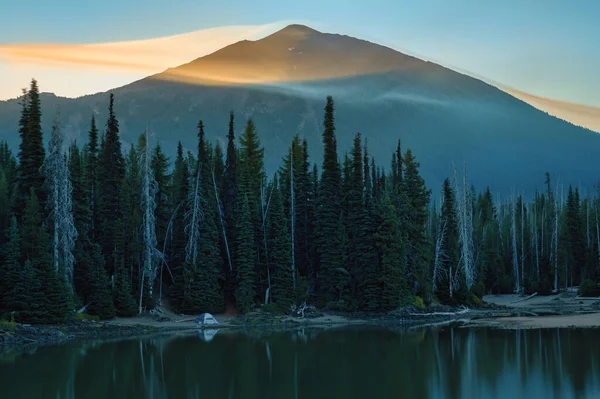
(547, 48)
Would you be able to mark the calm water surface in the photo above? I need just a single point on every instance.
(449, 362)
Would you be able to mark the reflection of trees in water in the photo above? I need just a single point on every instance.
(446, 362)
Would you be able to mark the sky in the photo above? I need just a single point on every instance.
(544, 48)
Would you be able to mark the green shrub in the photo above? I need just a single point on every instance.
(589, 288)
(85, 316)
(475, 301)
(418, 303)
(7, 325)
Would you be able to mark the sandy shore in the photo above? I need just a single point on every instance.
(554, 311)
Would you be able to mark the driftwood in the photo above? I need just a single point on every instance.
(524, 299)
(83, 309)
(434, 314)
(182, 320)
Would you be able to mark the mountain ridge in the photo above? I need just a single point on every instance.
(445, 116)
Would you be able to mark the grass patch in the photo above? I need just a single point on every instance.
(418, 303)
(8, 325)
(85, 316)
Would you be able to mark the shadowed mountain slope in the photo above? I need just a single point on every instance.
(281, 82)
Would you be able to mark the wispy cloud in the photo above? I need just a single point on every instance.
(578, 114)
(76, 63)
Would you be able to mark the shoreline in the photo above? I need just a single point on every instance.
(500, 311)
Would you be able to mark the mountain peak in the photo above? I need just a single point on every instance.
(296, 29)
(292, 54)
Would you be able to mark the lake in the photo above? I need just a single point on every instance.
(445, 362)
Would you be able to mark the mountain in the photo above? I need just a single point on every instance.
(281, 81)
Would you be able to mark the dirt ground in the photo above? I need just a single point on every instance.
(173, 320)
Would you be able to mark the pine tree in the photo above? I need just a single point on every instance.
(100, 298)
(48, 296)
(390, 249)
(280, 252)
(132, 220)
(10, 267)
(83, 221)
(328, 239)
(229, 200)
(31, 149)
(5, 207)
(251, 179)
(180, 190)
(111, 175)
(244, 259)
(91, 177)
(415, 225)
(122, 298)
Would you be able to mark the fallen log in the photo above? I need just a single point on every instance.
(524, 299)
(434, 314)
(182, 320)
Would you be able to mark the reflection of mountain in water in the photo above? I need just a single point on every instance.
(345, 363)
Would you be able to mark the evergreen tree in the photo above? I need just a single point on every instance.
(132, 220)
(415, 224)
(122, 298)
(244, 259)
(229, 200)
(280, 252)
(180, 188)
(100, 297)
(91, 177)
(328, 239)
(111, 175)
(389, 244)
(31, 149)
(10, 267)
(251, 179)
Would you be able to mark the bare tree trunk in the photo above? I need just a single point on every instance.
(56, 171)
(513, 233)
(222, 222)
(264, 210)
(439, 255)
(465, 221)
(148, 204)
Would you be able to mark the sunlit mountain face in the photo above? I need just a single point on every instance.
(281, 82)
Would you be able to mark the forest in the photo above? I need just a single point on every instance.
(118, 231)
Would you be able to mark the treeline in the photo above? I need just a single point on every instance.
(118, 231)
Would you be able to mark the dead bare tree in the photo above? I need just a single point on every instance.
(151, 253)
(60, 203)
(464, 207)
(515, 258)
(221, 220)
(264, 210)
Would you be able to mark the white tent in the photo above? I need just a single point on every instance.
(206, 319)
